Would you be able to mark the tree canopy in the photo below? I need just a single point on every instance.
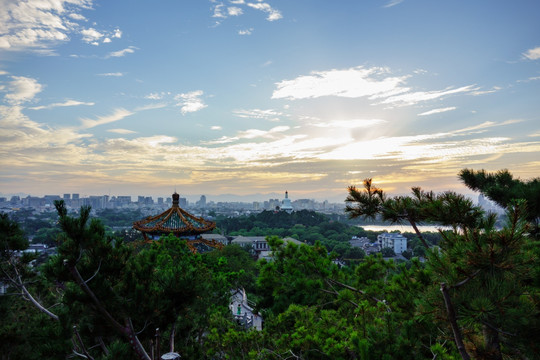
(474, 294)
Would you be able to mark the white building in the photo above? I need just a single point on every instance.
(395, 241)
(286, 204)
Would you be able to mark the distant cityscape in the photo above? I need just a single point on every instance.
(149, 204)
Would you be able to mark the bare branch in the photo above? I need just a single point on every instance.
(93, 276)
(463, 282)
(88, 356)
(90, 293)
(18, 283)
(103, 347)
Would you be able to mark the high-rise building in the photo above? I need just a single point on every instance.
(183, 202)
(202, 201)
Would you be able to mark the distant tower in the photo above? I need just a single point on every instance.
(286, 204)
(202, 201)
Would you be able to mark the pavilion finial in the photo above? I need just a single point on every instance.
(175, 199)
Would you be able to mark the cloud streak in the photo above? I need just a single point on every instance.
(117, 115)
(123, 52)
(63, 104)
(437, 111)
(374, 83)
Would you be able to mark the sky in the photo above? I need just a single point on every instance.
(249, 98)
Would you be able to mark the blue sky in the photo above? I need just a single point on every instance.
(249, 97)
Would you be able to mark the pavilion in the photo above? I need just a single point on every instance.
(180, 223)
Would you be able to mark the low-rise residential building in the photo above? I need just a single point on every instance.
(395, 241)
(369, 246)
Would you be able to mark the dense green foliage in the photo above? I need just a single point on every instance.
(476, 295)
(306, 226)
(502, 188)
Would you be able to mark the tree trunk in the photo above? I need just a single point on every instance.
(418, 233)
(453, 322)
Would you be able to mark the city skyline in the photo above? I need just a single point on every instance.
(252, 98)
(191, 198)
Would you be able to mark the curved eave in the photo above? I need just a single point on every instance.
(184, 222)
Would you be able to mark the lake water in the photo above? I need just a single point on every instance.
(401, 228)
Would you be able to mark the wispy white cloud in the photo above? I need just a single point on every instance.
(267, 114)
(273, 14)
(122, 131)
(532, 54)
(120, 53)
(24, 142)
(222, 11)
(94, 37)
(393, 3)
(157, 95)
(234, 11)
(411, 98)
(245, 31)
(151, 106)
(486, 125)
(484, 92)
(63, 104)
(533, 78)
(352, 83)
(117, 115)
(216, 127)
(190, 102)
(91, 36)
(375, 83)
(22, 89)
(219, 11)
(437, 111)
(250, 134)
(113, 74)
(349, 124)
(77, 17)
